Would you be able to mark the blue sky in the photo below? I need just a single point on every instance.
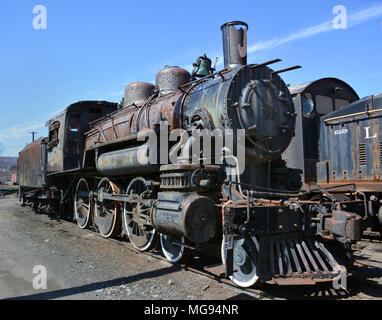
(93, 49)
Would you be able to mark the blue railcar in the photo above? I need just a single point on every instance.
(351, 152)
(337, 143)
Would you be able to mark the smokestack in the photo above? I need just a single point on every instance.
(234, 44)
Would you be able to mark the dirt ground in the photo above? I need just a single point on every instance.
(82, 265)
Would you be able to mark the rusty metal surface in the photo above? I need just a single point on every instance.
(364, 186)
(171, 78)
(66, 141)
(55, 145)
(346, 227)
(125, 124)
(295, 281)
(29, 168)
(137, 93)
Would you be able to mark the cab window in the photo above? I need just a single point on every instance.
(340, 103)
(74, 124)
(307, 105)
(53, 134)
(324, 104)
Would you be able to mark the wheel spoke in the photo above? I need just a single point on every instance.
(245, 265)
(174, 249)
(107, 213)
(81, 205)
(142, 239)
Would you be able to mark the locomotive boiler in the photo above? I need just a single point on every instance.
(141, 171)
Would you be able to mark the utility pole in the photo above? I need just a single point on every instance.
(33, 133)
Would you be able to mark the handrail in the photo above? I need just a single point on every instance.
(353, 114)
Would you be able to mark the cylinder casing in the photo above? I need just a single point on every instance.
(185, 214)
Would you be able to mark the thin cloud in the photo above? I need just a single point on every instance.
(305, 33)
(19, 131)
(365, 15)
(352, 20)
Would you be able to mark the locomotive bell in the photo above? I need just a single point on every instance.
(202, 67)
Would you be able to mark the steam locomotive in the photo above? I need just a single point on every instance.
(337, 143)
(254, 216)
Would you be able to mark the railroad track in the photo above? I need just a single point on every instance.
(4, 192)
(156, 254)
(265, 291)
(372, 235)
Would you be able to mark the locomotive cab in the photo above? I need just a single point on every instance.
(312, 101)
(65, 144)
